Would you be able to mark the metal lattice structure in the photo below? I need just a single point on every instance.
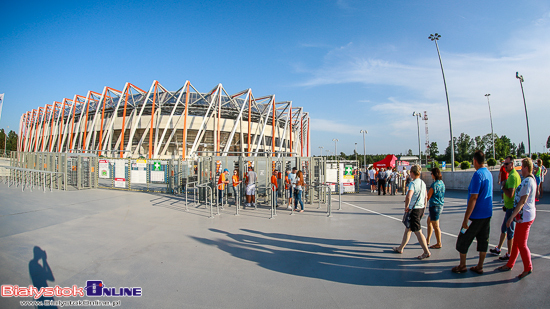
(157, 123)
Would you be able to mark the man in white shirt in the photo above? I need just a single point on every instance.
(372, 180)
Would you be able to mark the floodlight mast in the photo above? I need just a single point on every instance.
(521, 80)
(435, 37)
(490, 116)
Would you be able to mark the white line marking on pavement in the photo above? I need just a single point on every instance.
(445, 233)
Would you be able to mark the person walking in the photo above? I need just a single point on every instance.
(288, 188)
(298, 191)
(222, 181)
(415, 203)
(235, 180)
(274, 186)
(388, 180)
(502, 176)
(537, 171)
(372, 179)
(381, 181)
(393, 180)
(542, 176)
(524, 214)
(436, 197)
(251, 178)
(477, 218)
(509, 188)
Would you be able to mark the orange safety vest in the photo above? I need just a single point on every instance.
(221, 185)
(235, 180)
(274, 181)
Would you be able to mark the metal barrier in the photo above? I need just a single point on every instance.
(207, 186)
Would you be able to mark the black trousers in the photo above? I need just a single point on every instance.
(382, 186)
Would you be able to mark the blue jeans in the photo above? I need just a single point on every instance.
(297, 199)
(220, 197)
(508, 230)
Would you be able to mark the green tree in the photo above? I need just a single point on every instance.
(548, 142)
(503, 146)
(464, 147)
(433, 150)
(521, 149)
(410, 152)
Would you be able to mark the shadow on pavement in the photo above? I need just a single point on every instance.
(344, 261)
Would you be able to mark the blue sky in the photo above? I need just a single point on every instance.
(352, 64)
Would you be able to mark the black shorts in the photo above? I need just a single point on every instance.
(416, 216)
(478, 229)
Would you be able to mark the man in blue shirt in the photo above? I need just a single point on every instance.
(479, 211)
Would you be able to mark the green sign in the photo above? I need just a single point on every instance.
(348, 170)
(156, 166)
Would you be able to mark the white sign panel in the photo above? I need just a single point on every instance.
(120, 169)
(104, 171)
(120, 183)
(157, 176)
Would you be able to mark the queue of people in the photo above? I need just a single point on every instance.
(294, 187)
(519, 197)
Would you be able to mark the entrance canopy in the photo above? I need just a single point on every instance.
(388, 161)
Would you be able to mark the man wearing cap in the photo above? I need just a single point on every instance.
(222, 181)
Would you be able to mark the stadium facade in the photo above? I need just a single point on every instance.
(155, 124)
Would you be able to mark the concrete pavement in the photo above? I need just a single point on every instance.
(186, 260)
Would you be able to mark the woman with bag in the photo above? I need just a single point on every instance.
(524, 214)
(415, 203)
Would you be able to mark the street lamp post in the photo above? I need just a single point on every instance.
(435, 37)
(6, 142)
(491, 117)
(364, 149)
(520, 77)
(418, 115)
(321, 148)
(335, 140)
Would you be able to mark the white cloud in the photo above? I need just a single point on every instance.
(326, 125)
(469, 76)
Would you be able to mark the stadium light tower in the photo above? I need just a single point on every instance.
(418, 115)
(491, 117)
(435, 37)
(335, 140)
(520, 77)
(321, 148)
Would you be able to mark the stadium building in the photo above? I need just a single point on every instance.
(162, 124)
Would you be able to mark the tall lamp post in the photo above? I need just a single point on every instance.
(418, 115)
(435, 37)
(364, 149)
(355, 151)
(6, 141)
(520, 77)
(321, 148)
(335, 140)
(491, 117)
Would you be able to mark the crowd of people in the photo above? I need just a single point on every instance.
(520, 192)
(294, 186)
(388, 180)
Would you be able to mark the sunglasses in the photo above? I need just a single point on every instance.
(506, 163)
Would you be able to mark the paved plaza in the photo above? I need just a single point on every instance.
(184, 259)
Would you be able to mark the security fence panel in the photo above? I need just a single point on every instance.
(138, 175)
(121, 173)
(158, 175)
(304, 164)
(106, 173)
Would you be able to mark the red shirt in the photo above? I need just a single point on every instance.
(503, 174)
